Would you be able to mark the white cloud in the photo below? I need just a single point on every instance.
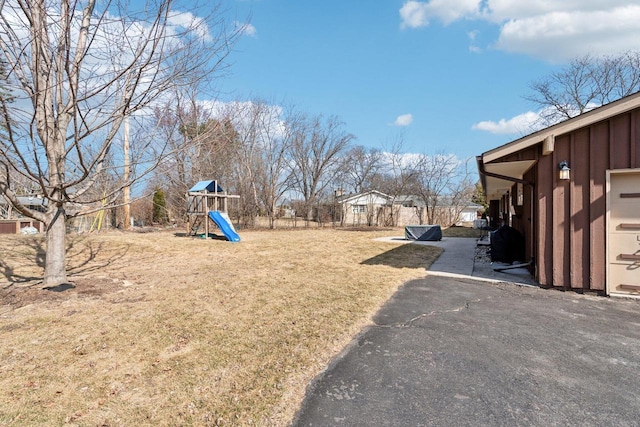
(246, 116)
(500, 11)
(473, 47)
(416, 14)
(191, 22)
(553, 30)
(530, 121)
(404, 120)
(246, 28)
(557, 36)
(404, 160)
(520, 124)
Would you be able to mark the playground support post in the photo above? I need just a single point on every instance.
(206, 222)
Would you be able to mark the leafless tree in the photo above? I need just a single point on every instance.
(76, 71)
(461, 190)
(360, 165)
(265, 131)
(586, 82)
(445, 187)
(202, 147)
(316, 150)
(400, 177)
(274, 180)
(246, 117)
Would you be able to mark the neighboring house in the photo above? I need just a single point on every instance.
(12, 221)
(582, 233)
(469, 213)
(445, 213)
(365, 208)
(379, 209)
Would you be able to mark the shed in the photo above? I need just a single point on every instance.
(582, 233)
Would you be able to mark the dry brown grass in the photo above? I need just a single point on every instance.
(462, 232)
(166, 330)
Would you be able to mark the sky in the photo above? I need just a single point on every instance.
(442, 76)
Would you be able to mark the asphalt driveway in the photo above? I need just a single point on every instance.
(453, 351)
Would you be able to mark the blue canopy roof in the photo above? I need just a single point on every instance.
(208, 186)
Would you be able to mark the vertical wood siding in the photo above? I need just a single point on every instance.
(598, 147)
(580, 226)
(569, 221)
(527, 219)
(543, 220)
(561, 215)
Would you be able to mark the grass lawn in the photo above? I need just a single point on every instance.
(167, 330)
(462, 232)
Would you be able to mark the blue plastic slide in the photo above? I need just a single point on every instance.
(223, 222)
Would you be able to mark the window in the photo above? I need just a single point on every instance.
(359, 208)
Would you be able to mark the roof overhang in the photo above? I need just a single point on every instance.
(499, 176)
(601, 113)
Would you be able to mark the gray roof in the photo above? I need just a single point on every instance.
(27, 201)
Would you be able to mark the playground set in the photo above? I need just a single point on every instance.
(207, 200)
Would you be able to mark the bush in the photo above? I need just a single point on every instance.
(160, 215)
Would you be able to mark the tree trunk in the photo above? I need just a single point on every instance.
(55, 268)
(272, 216)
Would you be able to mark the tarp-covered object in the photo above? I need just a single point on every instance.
(507, 245)
(423, 232)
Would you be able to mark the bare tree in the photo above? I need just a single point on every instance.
(315, 156)
(400, 177)
(77, 70)
(445, 187)
(360, 165)
(247, 117)
(278, 131)
(172, 173)
(461, 191)
(585, 83)
(201, 147)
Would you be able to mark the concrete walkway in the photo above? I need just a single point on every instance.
(458, 260)
(449, 350)
(458, 253)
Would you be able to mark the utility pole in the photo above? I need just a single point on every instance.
(127, 188)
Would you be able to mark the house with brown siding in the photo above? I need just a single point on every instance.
(582, 231)
(12, 221)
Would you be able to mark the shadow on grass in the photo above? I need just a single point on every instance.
(212, 236)
(462, 232)
(406, 256)
(32, 251)
(364, 228)
(86, 256)
(60, 288)
(83, 256)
